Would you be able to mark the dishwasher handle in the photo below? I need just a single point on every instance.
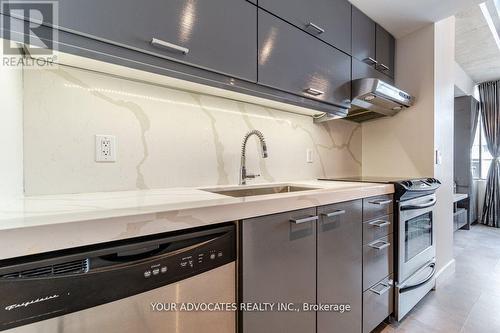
(137, 254)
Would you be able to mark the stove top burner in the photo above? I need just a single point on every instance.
(404, 188)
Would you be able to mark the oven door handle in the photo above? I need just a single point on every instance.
(431, 203)
(418, 284)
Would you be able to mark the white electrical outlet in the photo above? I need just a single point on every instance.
(105, 148)
(309, 156)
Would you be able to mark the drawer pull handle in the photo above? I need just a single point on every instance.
(383, 245)
(370, 61)
(382, 67)
(381, 202)
(380, 223)
(169, 46)
(304, 220)
(315, 27)
(387, 286)
(335, 213)
(314, 92)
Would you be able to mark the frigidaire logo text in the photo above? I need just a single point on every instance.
(28, 303)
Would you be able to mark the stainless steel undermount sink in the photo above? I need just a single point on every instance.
(249, 192)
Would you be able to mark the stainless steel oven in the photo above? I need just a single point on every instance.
(416, 265)
(416, 235)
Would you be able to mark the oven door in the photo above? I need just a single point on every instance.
(416, 235)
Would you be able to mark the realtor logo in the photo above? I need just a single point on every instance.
(26, 22)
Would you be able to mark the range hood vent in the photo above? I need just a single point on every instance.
(374, 98)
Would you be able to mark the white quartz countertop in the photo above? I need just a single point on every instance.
(38, 224)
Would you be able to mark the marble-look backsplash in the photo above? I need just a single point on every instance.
(165, 137)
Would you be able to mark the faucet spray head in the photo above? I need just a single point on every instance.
(264, 151)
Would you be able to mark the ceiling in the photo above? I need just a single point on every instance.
(401, 17)
(475, 48)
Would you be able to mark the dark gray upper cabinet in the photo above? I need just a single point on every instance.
(372, 44)
(293, 61)
(278, 260)
(340, 265)
(361, 70)
(329, 20)
(385, 50)
(195, 32)
(363, 37)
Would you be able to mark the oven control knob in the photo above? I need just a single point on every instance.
(408, 183)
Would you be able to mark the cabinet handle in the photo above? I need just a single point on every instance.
(381, 202)
(304, 220)
(370, 61)
(380, 223)
(314, 92)
(335, 213)
(387, 286)
(315, 27)
(379, 247)
(169, 46)
(383, 67)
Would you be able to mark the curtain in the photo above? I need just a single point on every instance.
(489, 93)
(473, 211)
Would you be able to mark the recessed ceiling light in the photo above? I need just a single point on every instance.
(489, 20)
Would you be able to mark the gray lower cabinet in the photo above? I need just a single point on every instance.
(293, 61)
(195, 32)
(378, 302)
(278, 264)
(377, 260)
(377, 228)
(317, 256)
(328, 20)
(340, 266)
(377, 206)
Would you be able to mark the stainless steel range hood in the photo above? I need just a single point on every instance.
(374, 98)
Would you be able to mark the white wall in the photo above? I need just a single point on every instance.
(165, 137)
(11, 145)
(444, 69)
(463, 81)
(405, 145)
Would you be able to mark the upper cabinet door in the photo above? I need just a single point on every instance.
(385, 51)
(360, 70)
(329, 20)
(363, 37)
(218, 35)
(293, 61)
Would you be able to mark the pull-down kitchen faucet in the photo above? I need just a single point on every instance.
(243, 170)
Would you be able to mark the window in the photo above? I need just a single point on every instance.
(481, 157)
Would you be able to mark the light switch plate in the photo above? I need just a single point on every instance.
(309, 156)
(439, 157)
(105, 148)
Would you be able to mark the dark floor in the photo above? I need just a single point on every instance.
(468, 301)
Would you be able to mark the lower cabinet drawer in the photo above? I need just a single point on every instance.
(378, 206)
(378, 304)
(377, 260)
(377, 228)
